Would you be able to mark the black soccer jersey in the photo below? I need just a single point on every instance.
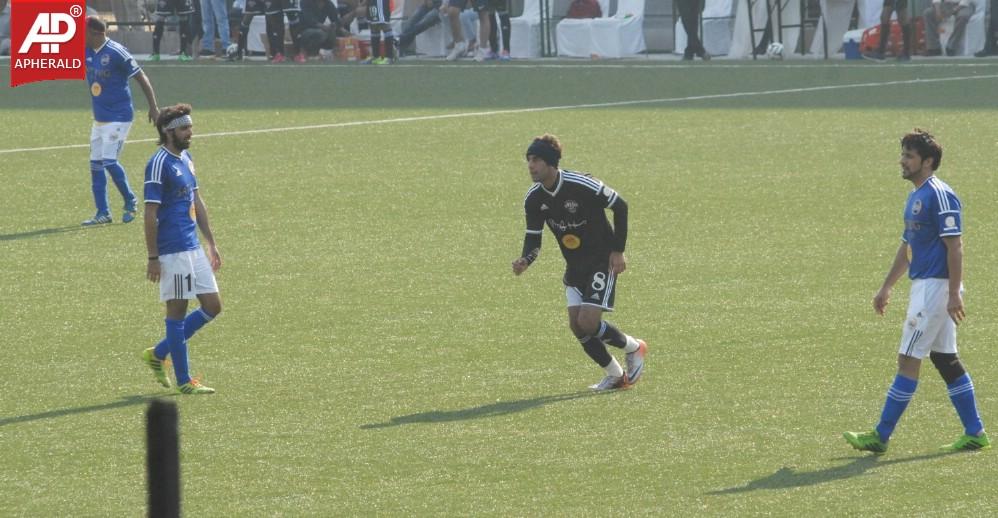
(575, 213)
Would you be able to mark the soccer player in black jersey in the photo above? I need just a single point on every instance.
(573, 206)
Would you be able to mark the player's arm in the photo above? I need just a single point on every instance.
(152, 248)
(531, 239)
(150, 94)
(618, 263)
(954, 262)
(201, 213)
(898, 267)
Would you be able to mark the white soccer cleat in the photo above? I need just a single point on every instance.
(635, 362)
(458, 50)
(611, 383)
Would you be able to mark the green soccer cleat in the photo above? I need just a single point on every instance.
(195, 387)
(153, 57)
(156, 365)
(866, 441)
(969, 443)
(184, 57)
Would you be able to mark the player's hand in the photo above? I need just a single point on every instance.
(618, 263)
(520, 265)
(955, 308)
(214, 258)
(880, 300)
(153, 114)
(152, 270)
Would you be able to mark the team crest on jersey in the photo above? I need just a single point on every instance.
(571, 206)
(105, 60)
(916, 207)
(571, 241)
(607, 191)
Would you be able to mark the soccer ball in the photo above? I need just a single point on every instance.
(232, 51)
(774, 50)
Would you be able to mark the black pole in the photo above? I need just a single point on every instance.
(163, 459)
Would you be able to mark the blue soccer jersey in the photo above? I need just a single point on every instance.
(932, 213)
(170, 182)
(108, 71)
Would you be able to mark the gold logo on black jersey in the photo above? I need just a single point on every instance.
(571, 241)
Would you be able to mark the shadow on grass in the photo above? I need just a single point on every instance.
(479, 412)
(40, 233)
(123, 402)
(786, 478)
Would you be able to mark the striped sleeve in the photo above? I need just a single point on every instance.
(153, 188)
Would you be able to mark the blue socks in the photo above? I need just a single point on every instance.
(178, 349)
(98, 184)
(961, 393)
(898, 397)
(120, 181)
(175, 344)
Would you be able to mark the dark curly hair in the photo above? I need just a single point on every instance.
(923, 143)
(166, 115)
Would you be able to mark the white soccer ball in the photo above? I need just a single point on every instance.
(774, 50)
(231, 50)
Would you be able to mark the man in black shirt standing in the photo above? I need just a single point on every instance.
(573, 206)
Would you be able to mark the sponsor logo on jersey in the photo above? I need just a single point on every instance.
(916, 207)
(571, 241)
(571, 206)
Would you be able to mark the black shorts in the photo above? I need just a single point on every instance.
(168, 7)
(592, 286)
(379, 11)
(894, 5)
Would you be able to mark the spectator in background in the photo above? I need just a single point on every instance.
(197, 31)
(689, 12)
(425, 16)
(379, 14)
(486, 10)
(183, 9)
(214, 14)
(901, 6)
(934, 15)
(319, 20)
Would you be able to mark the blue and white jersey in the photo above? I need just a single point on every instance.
(108, 71)
(931, 213)
(170, 182)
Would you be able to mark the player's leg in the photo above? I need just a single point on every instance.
(484, 30)
(178, 284)
(114, 142)
(454, 18)
(252, 9)
(885, 30)
(292, 10)
(98, 181)
(504, 28)
(907, 30)
(162, 11)
(961, 16)
(960, 387)
(205, 288)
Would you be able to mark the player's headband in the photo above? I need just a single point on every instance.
(180, 122)
(545, 151)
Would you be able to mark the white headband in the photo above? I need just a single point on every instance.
(180, 122)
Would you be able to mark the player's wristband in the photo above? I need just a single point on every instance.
(154, 258)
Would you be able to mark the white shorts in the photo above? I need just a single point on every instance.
(928, 326)
(185, 275)
(107, 139)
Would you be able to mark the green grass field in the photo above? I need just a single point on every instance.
(377, 357)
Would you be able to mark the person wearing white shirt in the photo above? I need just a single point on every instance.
(936, 14)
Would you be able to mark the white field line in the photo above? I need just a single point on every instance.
(538, 109)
